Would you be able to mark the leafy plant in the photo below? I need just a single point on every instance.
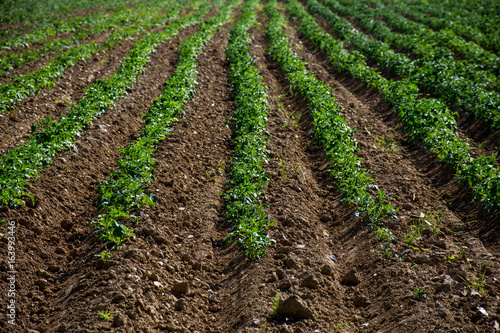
(415, 232)
(420, 292)
(105, 255)
(105, 315)
(276, 302)
(385, 234)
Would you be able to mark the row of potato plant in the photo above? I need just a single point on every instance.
(30, 84)
(20, 165)
(426, 119)
(123, 17)
(330, 128)
(425, 44)
(15, 11)
(474, 56)
(124, 191)
(245, 209)
(433, 69)
(471, 51)
(49, 28)
(480, 28)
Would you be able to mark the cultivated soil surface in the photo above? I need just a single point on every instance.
(178, 274)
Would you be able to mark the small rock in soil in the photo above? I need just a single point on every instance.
(118, 320)
(284, 284)
(350, 278)
(42, 283)
(290, 263)
(360, 301)
(310, 281)
(180, 305)
(295, 307)
(66, 225)
(180, 287)
(447, 284)
(285, 329)
(327, 270)
(424, 259)
(213, 308)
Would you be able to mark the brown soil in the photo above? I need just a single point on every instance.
(177, 274)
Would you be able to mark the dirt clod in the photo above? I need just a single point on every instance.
(294, 307)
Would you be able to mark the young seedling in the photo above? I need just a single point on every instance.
(387, 145)
(296, 121)
(420, 292)
(385, 234)
(276, 302)
(476, 283)
(283, 169)
(222, 167)
(415, 232)
(105, 315)
(105, 255)
(386, 251)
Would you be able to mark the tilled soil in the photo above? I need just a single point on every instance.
(177, 274)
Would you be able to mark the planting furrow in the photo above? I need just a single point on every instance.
(124, 191)
(23, 163)
(330, 128)
(427, 120)
(30, 84)
(123, 17)
(245, 209)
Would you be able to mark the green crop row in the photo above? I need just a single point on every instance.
(475, 56)
(427, 120)
(49, 10)
(22, 164)
(426, 45)
(30, 84)
(121, 18)
(472, 52)
(39, 32)
(124, 191)
(245, 209)
(330, 129)
(480, 28)
(434, 68)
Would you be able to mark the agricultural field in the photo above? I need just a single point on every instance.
(250, 166)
